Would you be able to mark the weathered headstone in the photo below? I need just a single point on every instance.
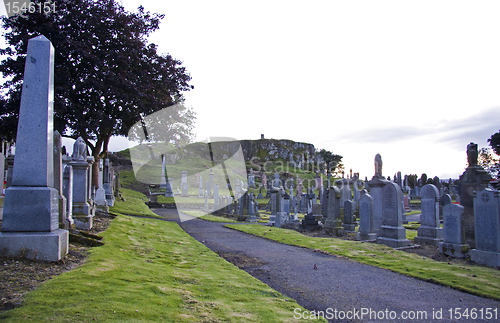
(216, 198)
(365, 231)
(210, 183)
(344, 186)
(100, 196)
(251, 178)
(83, 212)
(349, 225)
(168, 188)
(333, 223)
(163, 178)
(58, 182)
(430, 230)
(454, 232)
(280, 214)
(376, 187)
(392, 233)
(317, 182)
(474, 179)
(444, 200)
(487, 226)
(205, 206)
(30, 224)
(67, 190)
(184, 184)
(108, 185)
(406, 203)
(201, 193)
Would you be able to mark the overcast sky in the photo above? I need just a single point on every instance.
(415, 81)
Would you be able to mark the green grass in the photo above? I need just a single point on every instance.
(477, 280)
(134, 204)
(412, 226)
(152, 271)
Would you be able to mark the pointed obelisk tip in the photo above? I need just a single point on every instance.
(40, 38)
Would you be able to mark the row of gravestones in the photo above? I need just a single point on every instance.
(486, 207)
(78, 198)
(39, 199)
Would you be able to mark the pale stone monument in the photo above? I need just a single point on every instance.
(475, 178)
(30, 225)
(168, 188)
(366, 217)
(83, 211)
(392, 233)
(430, 230)
(454, 232)
(68, 192)
(108, 177)
(100, 195)
(376, 186)
(163, 178)
(184, 184)
(64, 222)
(200, 188)
(487, 226)
(333, 223)
(349, 225)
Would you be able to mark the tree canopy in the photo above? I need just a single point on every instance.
(107, 77)
(494, 142)
(333, 162)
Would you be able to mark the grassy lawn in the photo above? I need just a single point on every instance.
(152, 271)
(476, 280)
(134, 203)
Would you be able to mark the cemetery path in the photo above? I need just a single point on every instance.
(337, 283)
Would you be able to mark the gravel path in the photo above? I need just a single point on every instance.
(337, 283)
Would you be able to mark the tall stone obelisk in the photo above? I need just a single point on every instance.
(30, 226)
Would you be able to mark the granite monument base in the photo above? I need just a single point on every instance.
(334, 227)
(349, 227)
(272, 220)
(394, 237)
(429, 235)
(49, 246)
(30, 209)
(487, 258)
(366, 236)
(83, 215)
(455, 250)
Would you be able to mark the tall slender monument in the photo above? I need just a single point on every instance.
(30, 226)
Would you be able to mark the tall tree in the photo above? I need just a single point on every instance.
(107, 76)
(332, 161)
(495, 142)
